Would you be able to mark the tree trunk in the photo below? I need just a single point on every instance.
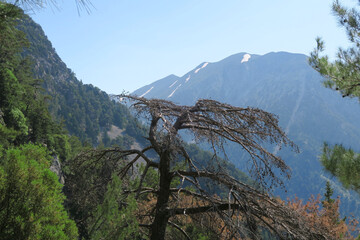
(162, 215)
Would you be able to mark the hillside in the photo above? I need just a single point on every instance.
(284, 84)
(86, 111)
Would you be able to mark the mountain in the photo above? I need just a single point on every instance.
(284, 84)
(86, 111)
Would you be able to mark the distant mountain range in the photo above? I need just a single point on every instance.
(282, 83)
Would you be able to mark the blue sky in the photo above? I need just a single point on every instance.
(126, 44)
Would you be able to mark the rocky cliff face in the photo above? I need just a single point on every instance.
(56, 168)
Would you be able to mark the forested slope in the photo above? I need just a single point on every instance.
(86, 111)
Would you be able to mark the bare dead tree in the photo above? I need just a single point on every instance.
(245, 208)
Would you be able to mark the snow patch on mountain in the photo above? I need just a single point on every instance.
(146, 92)
(246, 58)
(205, 64)
(187, 79)
(174, 91)
(173, 84)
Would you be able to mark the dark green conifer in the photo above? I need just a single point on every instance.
(328, 194)
(342, 75)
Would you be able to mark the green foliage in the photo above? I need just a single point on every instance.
(24, 115)
(12, 77)
(342, 74)
(87, 179)
(31, 198)
(7, 12)
(342, 163)
(124, 141)
(196, 232)
(6, 134)
(114, 218)
(30, 194)
(328, 194)
(151, 179)
(19, 119)
(11, 44)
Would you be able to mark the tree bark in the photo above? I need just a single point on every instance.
(162, 215)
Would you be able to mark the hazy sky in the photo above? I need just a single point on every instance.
(126, 44)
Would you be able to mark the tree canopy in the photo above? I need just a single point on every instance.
(30, 197)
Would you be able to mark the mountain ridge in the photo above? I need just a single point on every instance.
(284, 84)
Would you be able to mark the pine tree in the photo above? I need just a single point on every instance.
(328, 194)
(115, 217)
(342, 163)
(342, 75)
